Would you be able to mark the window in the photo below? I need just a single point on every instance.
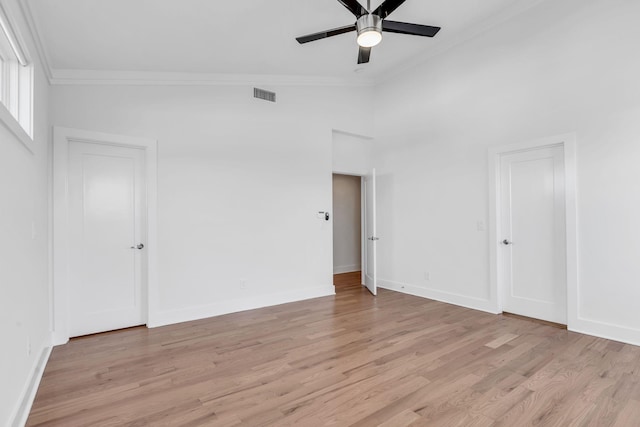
(16, 77)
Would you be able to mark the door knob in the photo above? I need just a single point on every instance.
(139, 246)
(506, 242)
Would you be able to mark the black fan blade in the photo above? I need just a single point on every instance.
(325, 34)
(354, 7)
(413, 29)
(363, 55)
(386, 8)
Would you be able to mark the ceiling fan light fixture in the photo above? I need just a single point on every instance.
(369, 38)
(369, 30)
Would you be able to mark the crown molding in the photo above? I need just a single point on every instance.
(143, 78)
(57, 76)
(355, 135)
(45, 61)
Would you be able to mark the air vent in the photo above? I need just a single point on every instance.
(264, 94)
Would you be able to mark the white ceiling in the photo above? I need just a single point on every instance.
(245, 37)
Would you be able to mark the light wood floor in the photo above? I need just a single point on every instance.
(352, 359)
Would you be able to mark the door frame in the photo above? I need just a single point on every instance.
(362, 218)
(497, 283)
(363, 239)
(59, 296)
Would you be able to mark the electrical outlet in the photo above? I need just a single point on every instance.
(243, 283)
(28, 346)
(427, 275)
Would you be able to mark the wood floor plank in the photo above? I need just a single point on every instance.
(629, 415)
(404, 418)
(351, 359)
(501, 340)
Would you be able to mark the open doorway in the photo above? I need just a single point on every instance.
(347, 231)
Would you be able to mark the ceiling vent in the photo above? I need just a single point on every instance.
(264, 94)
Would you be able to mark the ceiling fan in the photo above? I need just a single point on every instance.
(370, 26)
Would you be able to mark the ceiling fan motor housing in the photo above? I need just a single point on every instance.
(368, 24)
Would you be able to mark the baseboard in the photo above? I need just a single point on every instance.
(346, 268)
(605, 330)
(233, 306)
(446, 297)
(584, 326)
(31, 388)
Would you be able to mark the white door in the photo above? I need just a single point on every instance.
(533, 236)
(106, 240)
(370, 260)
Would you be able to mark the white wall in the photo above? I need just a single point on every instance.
(563, 66)
(352, 154)
(347, 242)
(240, 184)
(24, 264)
